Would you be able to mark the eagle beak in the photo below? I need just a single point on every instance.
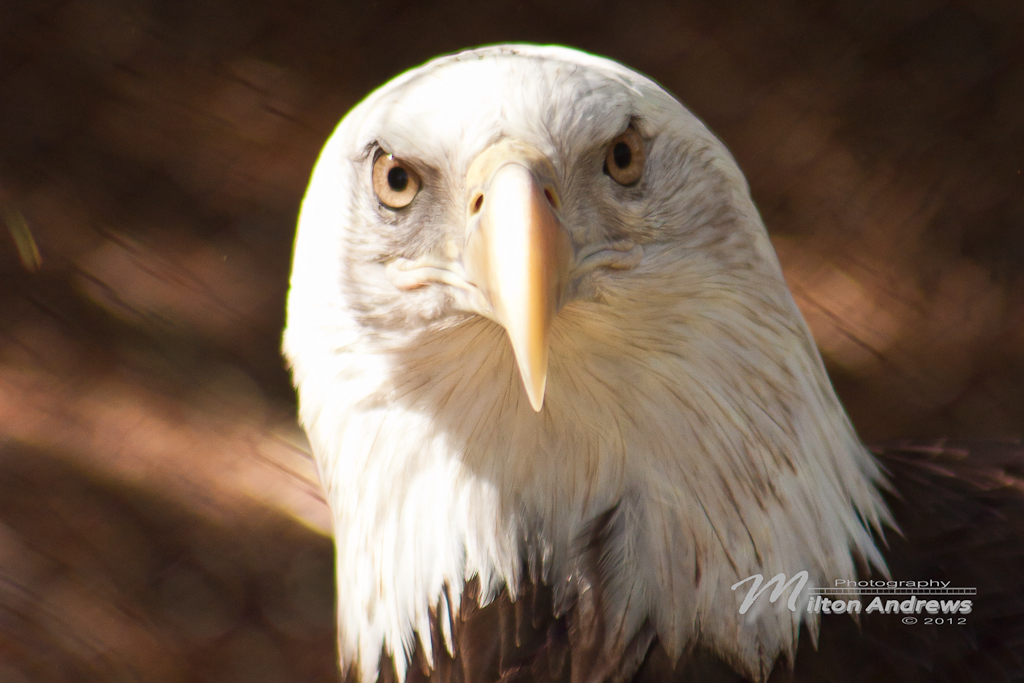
(517, 252)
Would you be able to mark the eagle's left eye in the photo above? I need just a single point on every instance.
(624, 160)
(394, 182)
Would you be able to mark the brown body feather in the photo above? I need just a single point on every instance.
(960, 510)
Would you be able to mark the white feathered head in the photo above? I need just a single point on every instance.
(530, 287)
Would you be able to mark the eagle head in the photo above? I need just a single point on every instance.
(531, 291)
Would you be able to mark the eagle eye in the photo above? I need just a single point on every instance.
(624, 161)
(394, 182)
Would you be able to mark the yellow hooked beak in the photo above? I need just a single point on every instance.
(517, 253)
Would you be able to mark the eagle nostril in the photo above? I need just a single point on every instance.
(477, 204)
(550, 195)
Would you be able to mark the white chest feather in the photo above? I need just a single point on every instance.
(724, 461)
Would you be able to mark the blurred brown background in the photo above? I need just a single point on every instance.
(159, 516)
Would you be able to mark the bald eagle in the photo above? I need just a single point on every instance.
(566, 411)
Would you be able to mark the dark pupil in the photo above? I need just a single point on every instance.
(622, 155)
(398, 178)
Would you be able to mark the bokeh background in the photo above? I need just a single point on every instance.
(159, 516)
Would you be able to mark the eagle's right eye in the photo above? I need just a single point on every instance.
(394, 181)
